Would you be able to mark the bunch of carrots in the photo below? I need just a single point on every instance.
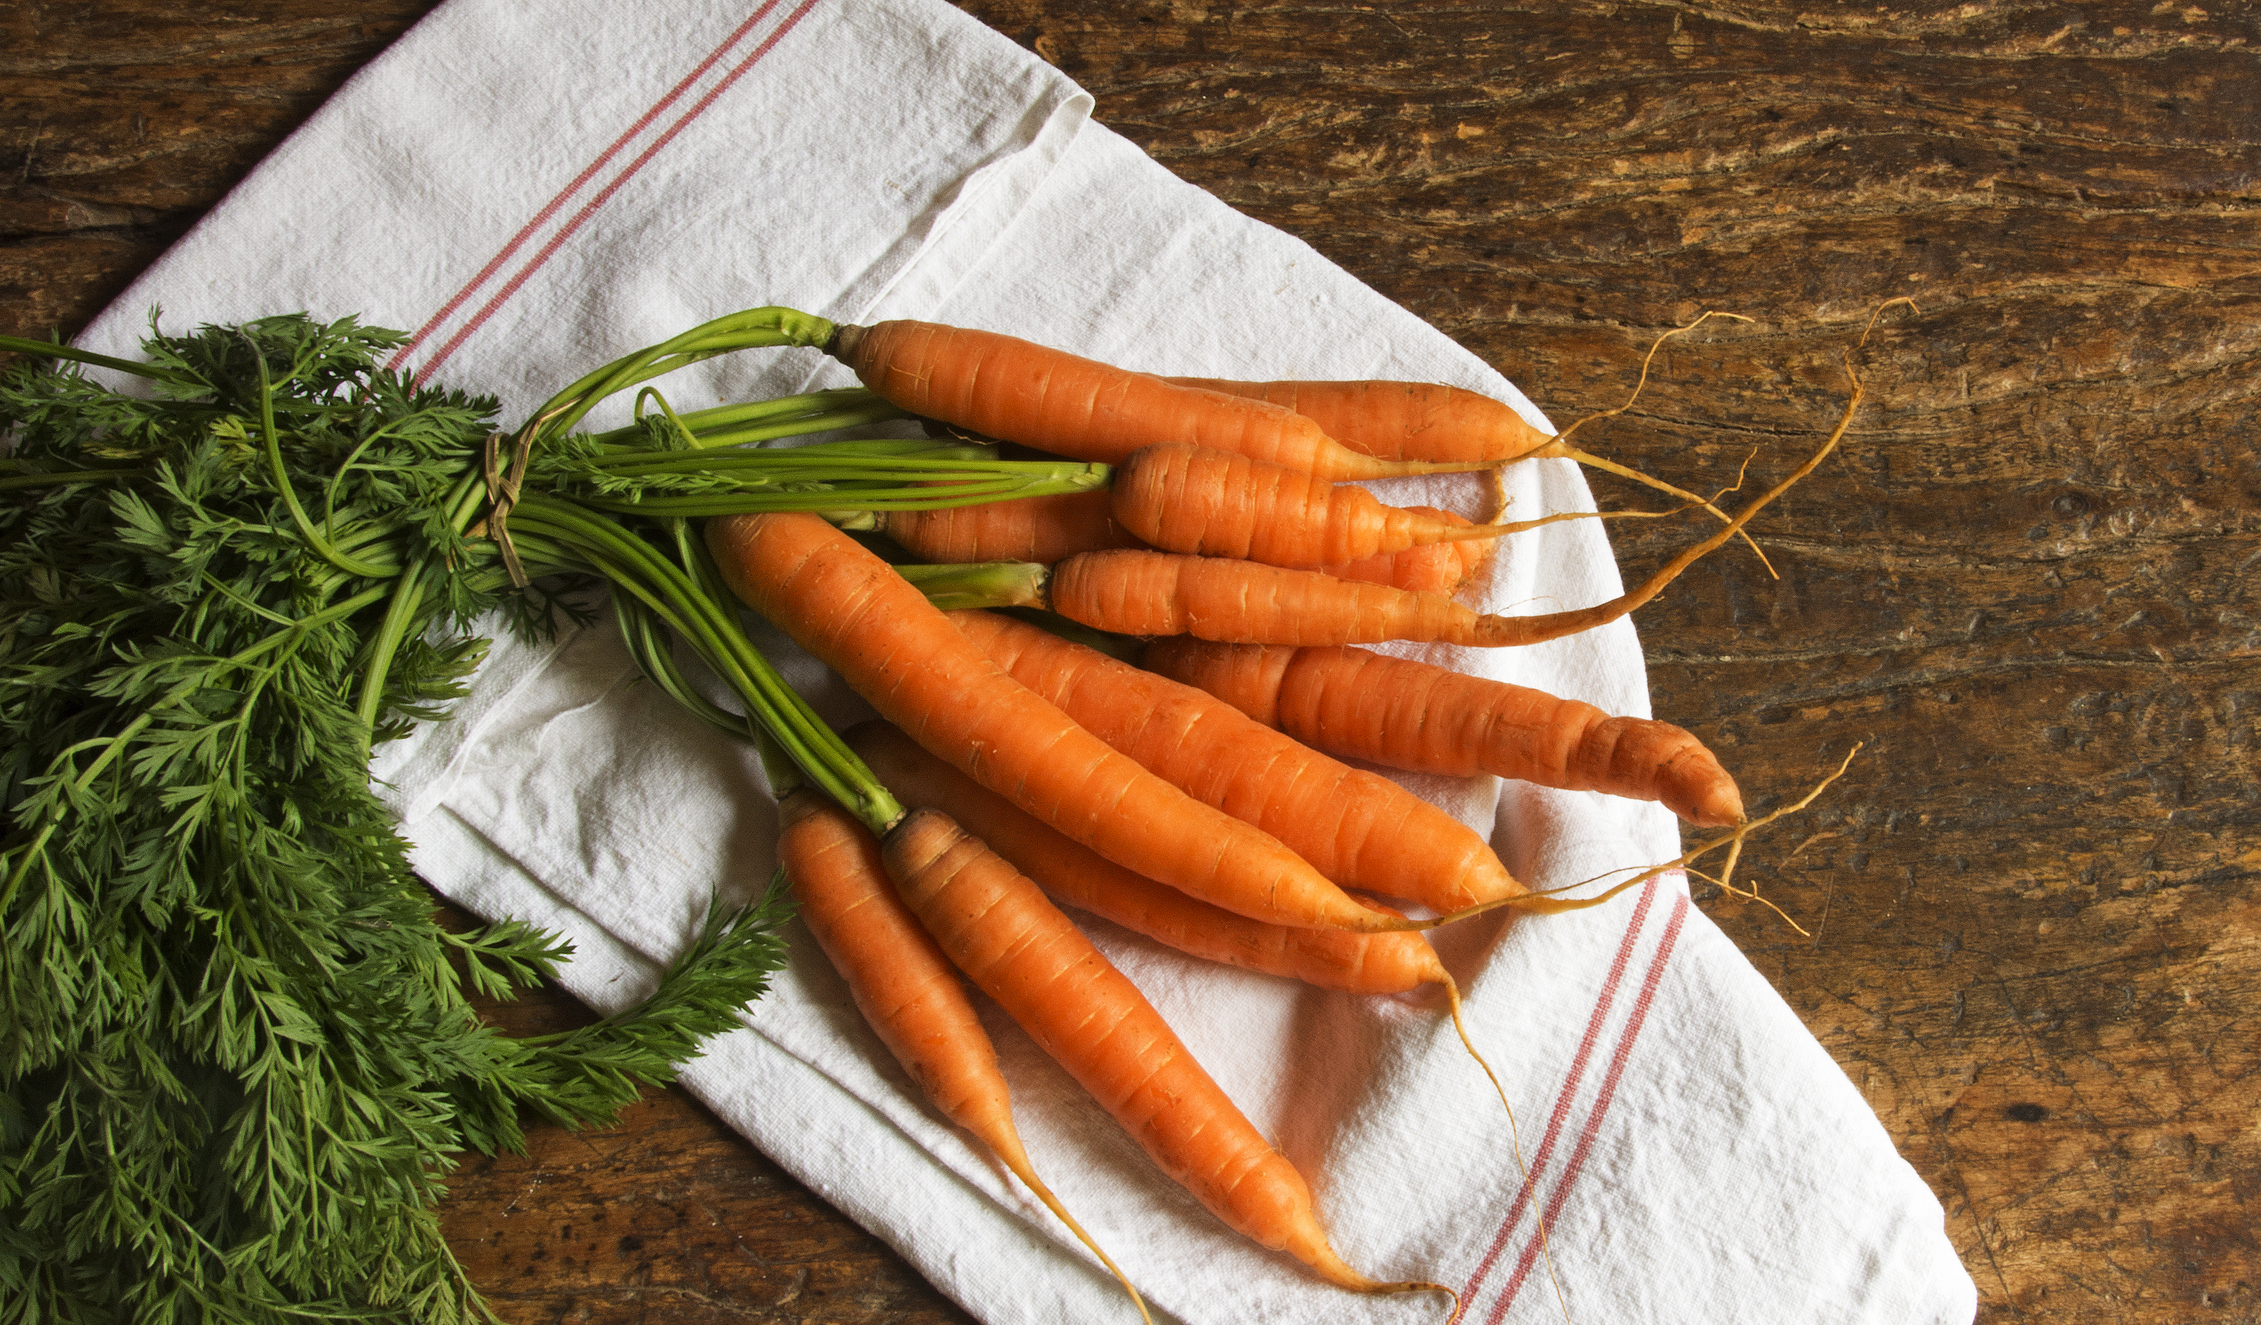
(1163, 726)
(1189, 777)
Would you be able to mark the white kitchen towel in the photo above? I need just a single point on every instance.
(535, 189)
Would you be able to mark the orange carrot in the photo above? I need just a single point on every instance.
(1428, 568)
(854, 613)
(1135, 592)
(1426, 421)
(1358, 828)
(1017, 391)
(1043, 529)
(1215, 503)
(1406, 714)
(1398, 420)
(1020, 950)
(1072, 873)
(904, 986)
(1050, 529)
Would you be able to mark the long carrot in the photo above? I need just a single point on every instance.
(1041, 529)
(854, 613)
(1358, 828)
(1417, 420)
(1050, 529)
(1402, 713)
(1136, 592)
(1398, 420)
(1018, 391)
(906, 989)
(1133, 592)
(1077, 876)
(1216, 503)
(1046, 975)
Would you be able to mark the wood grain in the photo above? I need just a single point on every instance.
(2026, 584)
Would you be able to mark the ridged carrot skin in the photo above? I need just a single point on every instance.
(1402, 713)
(1018, 391)
(1051, 529)
(1073, 874)
(1134, 592)
(1358, 828)
(1041, 529)
(1018, 948)
(1429, 568)
(1193, 499)
(1398, 420)
(906, 989)
(852, 612)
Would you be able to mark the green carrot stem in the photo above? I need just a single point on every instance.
(466, 500)
(289, 494)
(400, 615)
(752, 411)
(747, 329)
(878, 485)
(798, 426)
(836, 500)
(649, 644)
(821, 463)
(56, 350)
(869, 449)
(971, 585)
(57, 478)
(634, 566)
(831, 402)
(778, 767)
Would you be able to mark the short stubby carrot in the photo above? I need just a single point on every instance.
(906, 988)
(853, 612)
(1399, 420)
(1358, 828)
(1194, 499)
(1401, 713)
(1077, 876)
(1041, 529)
(1018, 391)
(999, 929)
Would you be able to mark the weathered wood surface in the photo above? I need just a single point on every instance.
(2026, 583)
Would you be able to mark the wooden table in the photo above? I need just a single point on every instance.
(2026, 584)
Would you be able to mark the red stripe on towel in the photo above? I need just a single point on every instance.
(550, 209)
(1563, 1098)
(604, 195)
(1593, 1126)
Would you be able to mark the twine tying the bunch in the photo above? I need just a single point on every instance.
(502, 494)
